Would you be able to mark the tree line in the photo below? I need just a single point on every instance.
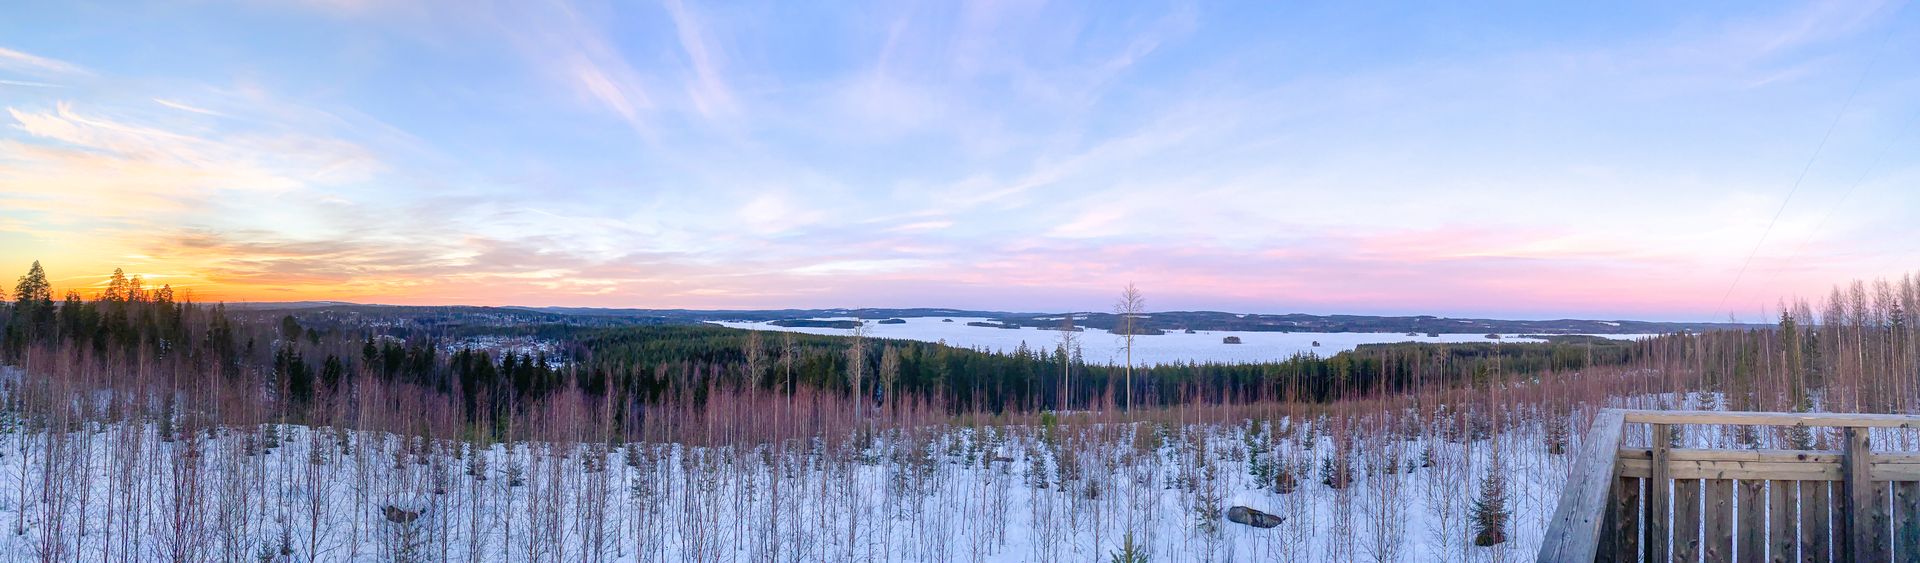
(1857, 352)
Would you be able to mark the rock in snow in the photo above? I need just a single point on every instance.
(399, 515)
(1251, 517)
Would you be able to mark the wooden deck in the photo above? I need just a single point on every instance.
(1662, 503)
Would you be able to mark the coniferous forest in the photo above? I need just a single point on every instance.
(1357, 452)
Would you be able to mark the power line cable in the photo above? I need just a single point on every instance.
(1810, 160)
(1857, 182)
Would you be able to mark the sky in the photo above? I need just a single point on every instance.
(1650, 160)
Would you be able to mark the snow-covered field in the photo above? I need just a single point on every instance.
(1101, 347)
(116, 492)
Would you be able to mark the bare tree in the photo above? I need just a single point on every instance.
(1129, 307)
(857, 363)
(1069, 342)
(756, 358)
(786, 363)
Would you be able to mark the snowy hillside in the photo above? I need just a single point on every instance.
(119, 492)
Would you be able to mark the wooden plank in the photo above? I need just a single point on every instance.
(1770, 456)
(1882, 471)
(1851, 420)
(1658, 504)
(1906, 535)
(1625, 519)
(1855, 519)
(1767, 470)
(1751, 520)
(1735, 470)
(1880, 520)
(1783, 513)
(1815, 545)
(1686, 520)
(1574, 532)
(1610, 541)
(1777, 456)
(1718, 541)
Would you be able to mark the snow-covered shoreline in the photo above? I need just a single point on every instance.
(1100, 347)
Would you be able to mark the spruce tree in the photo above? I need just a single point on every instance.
(1798, 436)
(33, 315)
(1129, 553)
(1490, 512)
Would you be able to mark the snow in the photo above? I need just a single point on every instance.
(1101, 347)
(934, 495)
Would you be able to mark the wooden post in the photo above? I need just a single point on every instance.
(1574, 533)
(1857, 492)
(1659, 482)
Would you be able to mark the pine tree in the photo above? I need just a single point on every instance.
(1129, 553)
(1490, 512)
(33, 311)
(116, 287)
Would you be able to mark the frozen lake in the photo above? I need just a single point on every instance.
(1101, 347)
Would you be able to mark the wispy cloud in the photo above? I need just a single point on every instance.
(187, 108)
(995, 154)
(709, 89)
(28, 62)
(27, 84)
(561, 43)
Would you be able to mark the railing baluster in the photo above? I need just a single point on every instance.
(1881, 521)
(1752, 519)
(1686, 520)
(1619, 540)
(1657, 514)
(1783, 510)
(1906, 495)
(1718, 545)
(1815, 523)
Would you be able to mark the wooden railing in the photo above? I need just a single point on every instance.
(1662, 503)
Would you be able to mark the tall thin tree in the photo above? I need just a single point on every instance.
(857, 363)
(1068, 342)
(1129, 308)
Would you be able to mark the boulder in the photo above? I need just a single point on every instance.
(1251, 517)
